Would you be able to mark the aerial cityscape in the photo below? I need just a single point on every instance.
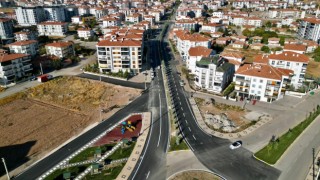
(160, 89)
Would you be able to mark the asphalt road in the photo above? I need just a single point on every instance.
(152, 164)
(213, 152)
(114, 81)
(138, 105)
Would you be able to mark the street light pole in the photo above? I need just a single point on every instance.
(5, 167)
(313, 168)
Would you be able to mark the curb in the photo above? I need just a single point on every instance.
(220, 176)
(262, 161)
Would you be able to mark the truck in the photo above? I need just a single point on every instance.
(45, 77)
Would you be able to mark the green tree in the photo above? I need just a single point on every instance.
(56, 64)
(42, 50)
(246, 32)
(265, 49)
(282, 39)
(268, 24)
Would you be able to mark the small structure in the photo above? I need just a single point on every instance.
(67, 175)
(97, 153)
(95, 168)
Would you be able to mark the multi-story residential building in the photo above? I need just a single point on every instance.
(115, 55)
(28, 16)
(98, 12)
(213, 74)
(296, 48)
(309, 28)
(24, 47)
(261, 82)
(186, 24)
(212, 27)
(54, 13)
(185, 40)
(85, 33)
(134, 18)
(195, 54)
(6, 28)
(14, 66)
(283, 13)
(110, 21)
(60, 49)
(76, 20)
(25, 35)
(70, 11)
(50, 28)
(293, 61)
(84, 10)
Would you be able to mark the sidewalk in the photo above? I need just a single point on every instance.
(317, 169)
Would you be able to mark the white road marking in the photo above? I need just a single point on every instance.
(160, 122)
(181, 108)
(194, 137)
(189, 129)
(183, 113)
(180, 103)
(148, 175)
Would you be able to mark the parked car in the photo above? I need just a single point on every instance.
(236, 145)
(45, 77)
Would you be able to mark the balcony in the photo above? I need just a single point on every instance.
(242, 80)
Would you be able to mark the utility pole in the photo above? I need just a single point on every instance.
(100, 100)
(5, 167)
(313, 168)
(41, 69)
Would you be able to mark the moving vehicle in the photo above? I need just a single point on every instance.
(235, 145)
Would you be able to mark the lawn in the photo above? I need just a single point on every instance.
(108, 174)
(313, 69)
(122, 152)
(274, 150)
(58, 174)
(175, 147)
(89, 153)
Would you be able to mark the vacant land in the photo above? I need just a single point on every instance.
(40, 119)
(195, 175)
(313, 69)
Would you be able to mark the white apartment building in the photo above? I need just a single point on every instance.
(60, 49)
(85, 33)
(212, 27)
(134, 18)
(24, 47)
(261, 82)
(110, 22)
(84, 10)
(185, 40)
(98, 12)
(195, 54)
(115, 55)
(51, 28)
(76, 20)
(28, 16)
(54, 13)
(14, 66)
(283, 13)
(25, 35)
(186, 24)
(309, 29)
(292, 61)
(213, 74)
(6, 28)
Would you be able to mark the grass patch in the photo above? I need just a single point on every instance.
(110, 173)
(58, 174)
(89, 153)
(122, 152)
(274, 150)
(175, 147)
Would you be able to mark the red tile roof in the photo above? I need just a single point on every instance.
(263, 71)
(295, 47)
(59, 44)
(290, 56)
(22, 43)
(200, 51)
(119, 43)
(10, 57)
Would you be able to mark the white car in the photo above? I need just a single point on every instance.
(236, 145)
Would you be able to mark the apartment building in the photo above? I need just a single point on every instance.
(85, 33)
(110, 21)
(60, 49)
(14, 66)
(25, 35)
(134, 18)
(195, 54)
(292, 61)
(24, 47)
(186, 24)
(309, 29)
(28, 16)
(185, 40)
(124, 54)
(261, 82)
(98, 12)
(6, 28)
(213, 74)
(212, 27)
(54, 13)
(51, 28)
(296, 48)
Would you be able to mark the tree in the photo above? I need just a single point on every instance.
(268, 24)
(42, 50)
(192, 31)
(76, 36)
(265, 49)
(246, 32)
(282, 39)
(56, 64)
(221, 30)
(210, 11)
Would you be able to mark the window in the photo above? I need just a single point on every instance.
(288, 63)
(254, 80)
(297, 64)
(259, 92)
(253, 85)
(252, 91)
(272, 62)
(261, 81)
(260, 86)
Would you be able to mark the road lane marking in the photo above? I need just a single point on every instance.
(189, 129)
(186, 121)
(148, 175)
(183, 113)
(180, 103)
(181, 108)
(194, 137)
(160, 122)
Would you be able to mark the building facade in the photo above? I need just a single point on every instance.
(51, 28)
(6, 28)
(28, 16)
(55, 13)
(60, 49)
(24, 47)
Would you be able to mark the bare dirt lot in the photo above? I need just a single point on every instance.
(36, 121)
(195, 175)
